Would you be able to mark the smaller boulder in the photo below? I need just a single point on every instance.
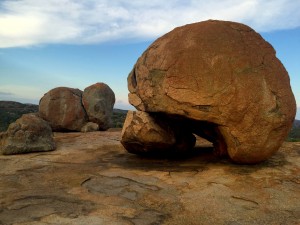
(30, 133)
(63, 109)
(90, 127)
(98, 101)
(144, 133)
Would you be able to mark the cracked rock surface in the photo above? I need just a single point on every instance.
(223, 73)
(91, 179)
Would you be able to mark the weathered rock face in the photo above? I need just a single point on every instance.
(98, 100)
(89, 127)
(225, 74)
(63, 109)
(30, 133)
(143, 133)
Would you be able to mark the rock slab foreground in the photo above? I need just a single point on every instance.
(91, 179)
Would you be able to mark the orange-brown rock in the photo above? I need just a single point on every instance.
(98, 101)
(63, 109)
(223, 73)
(29, 133)
(149, 134)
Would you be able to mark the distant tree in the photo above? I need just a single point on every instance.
(294, 134)
(118, 118)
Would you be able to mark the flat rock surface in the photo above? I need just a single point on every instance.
(91, 179)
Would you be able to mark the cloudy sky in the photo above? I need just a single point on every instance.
(75, 43)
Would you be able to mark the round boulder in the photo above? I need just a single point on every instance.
(63, 109)
(222, 73)
(98, 101)
(30, 133)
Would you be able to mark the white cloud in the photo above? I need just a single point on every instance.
(34, 22)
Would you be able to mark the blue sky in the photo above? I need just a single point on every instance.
(73, 43)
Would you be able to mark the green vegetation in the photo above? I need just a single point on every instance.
(11, 111)
(118, 118)
(294, 135)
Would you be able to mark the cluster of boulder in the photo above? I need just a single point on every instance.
(60, 109)
(216, 79)
(68, 109)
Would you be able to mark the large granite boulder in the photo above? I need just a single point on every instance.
(149, 134)
(221, 73)
(29, 133)
(63, 109)
(98, 101)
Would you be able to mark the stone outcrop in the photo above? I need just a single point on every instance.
(143, 133)
(63, 109)
(226, 79)
(30, 133)
(98, 101)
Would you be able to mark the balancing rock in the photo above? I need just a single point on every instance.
(226, 79)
